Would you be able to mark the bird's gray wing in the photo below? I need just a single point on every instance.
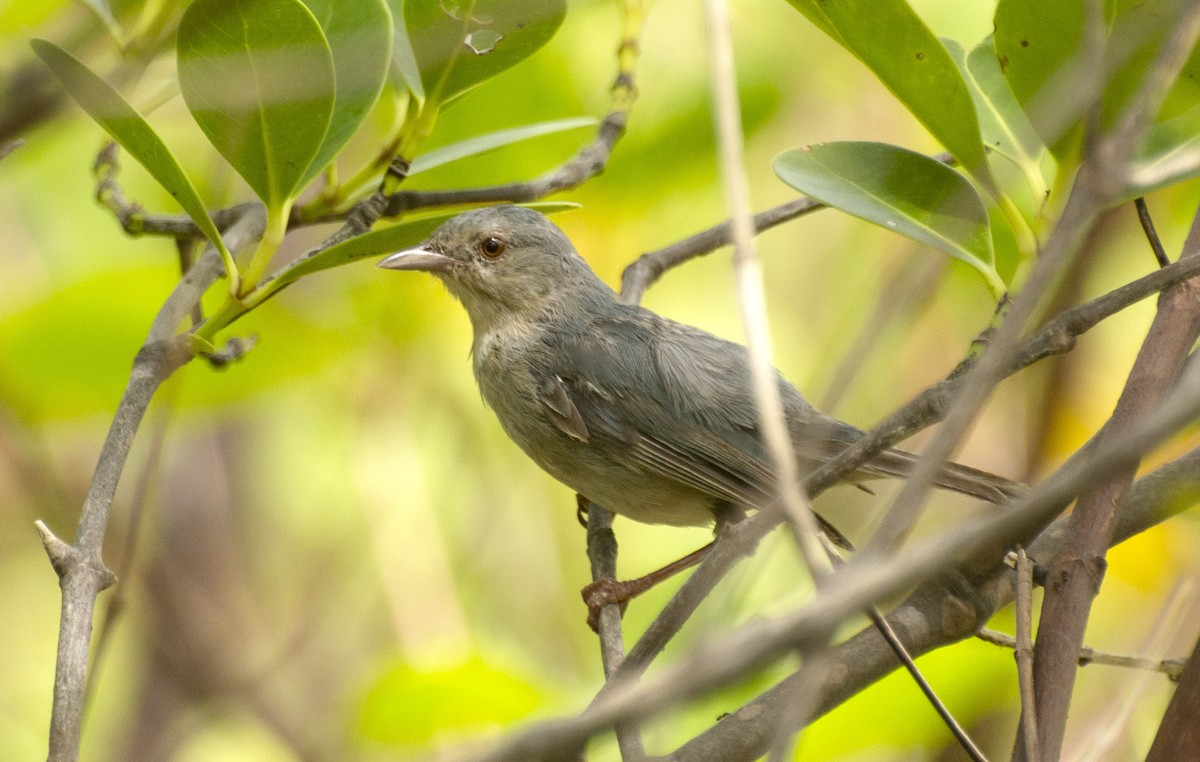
(676, 400)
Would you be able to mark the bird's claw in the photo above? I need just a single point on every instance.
(605, 591)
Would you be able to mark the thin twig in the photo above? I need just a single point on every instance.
(1106, 729)
(1171, 668)
(893, 640)
(1023, 653)
(752, 299)
(602, 552)
(1143, 212)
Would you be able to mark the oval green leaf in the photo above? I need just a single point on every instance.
(360, 37)
(493, 140)
(901, 190)
(383, 241)
(459, 43)
(899, 49)
(131, 130)
(258, 78)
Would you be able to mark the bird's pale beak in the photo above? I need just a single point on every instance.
(417, 259)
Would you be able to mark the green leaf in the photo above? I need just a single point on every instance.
(258, 78)
(493, 140)
(360, 37)
(900, 190)
(1002, 124)
(459, 43)
(1039, 46)
(901, 51)
(130, 129)
(383, 241)
(403, 59)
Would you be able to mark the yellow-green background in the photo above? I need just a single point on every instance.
(342, 556)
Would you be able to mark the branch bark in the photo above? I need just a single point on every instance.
(80, 568)
(1078, 567)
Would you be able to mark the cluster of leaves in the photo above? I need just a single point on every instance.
(1010, 112)
(280, 86)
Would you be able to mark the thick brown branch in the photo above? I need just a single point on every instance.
(1075, 572)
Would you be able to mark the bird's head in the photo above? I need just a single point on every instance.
(503, 260)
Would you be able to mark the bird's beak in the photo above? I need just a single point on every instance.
(418, 259)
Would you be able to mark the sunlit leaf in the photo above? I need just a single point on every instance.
(1002, 124)
(901, 51)
(385, 241)
(900, 190)
(493, 140)
(359, 34)
(130, 129)
(258, 77)
(460, 43)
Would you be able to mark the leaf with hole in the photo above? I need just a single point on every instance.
(459, 43)
(130, 129)
(258, 77)
(901, 190)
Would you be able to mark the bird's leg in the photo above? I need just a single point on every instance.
(606, 590)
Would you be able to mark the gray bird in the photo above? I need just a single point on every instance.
(650, 418)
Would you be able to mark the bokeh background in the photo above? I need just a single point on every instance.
(340, 555)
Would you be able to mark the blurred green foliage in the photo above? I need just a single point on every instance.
(341, 554)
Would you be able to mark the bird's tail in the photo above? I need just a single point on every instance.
(951, 476)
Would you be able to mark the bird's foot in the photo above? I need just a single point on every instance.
(606, 591)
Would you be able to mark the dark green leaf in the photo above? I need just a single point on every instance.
(360, 37)
(258, 77)
(460, 43)
(130, 129)
(900, 190)
(901, 51)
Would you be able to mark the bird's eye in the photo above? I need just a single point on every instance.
(492, 247)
